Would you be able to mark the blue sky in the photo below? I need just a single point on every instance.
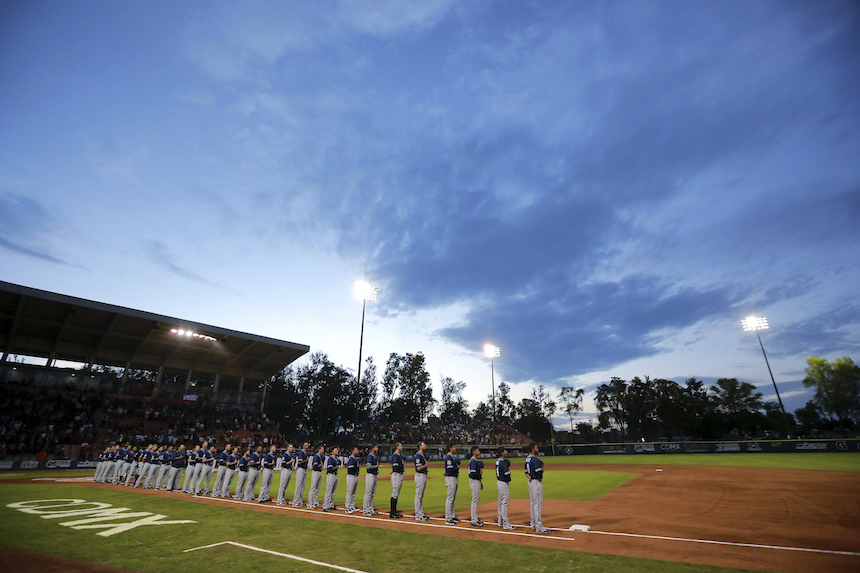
(599, 188)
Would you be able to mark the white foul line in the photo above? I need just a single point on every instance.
(270, 552)
(733, 543)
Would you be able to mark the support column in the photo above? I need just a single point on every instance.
(263, 401)
(215, 386)
(124, 377)
(187, 383)
(157, 386)
(241, 388)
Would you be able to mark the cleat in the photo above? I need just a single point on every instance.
(542, 530)
(450, 522)
(508, 526)
(456, 519)
(478, 523)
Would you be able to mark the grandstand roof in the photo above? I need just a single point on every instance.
(39, 323)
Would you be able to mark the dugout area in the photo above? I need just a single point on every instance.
(685, 517)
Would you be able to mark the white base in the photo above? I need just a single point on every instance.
(577, 527)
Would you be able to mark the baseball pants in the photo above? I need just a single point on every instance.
(225, 483)
(451, 487)
(369, 492)
(420, 486)
(114, 473)
(141, 476)
(351, 488)
(283, 484)
(504, 489)
(475, 486)
(330, 488)
(126, 467)
(314, 492)
(190, 478)
(535, 503)
(396, 484)
(240, 484)
(99, 467)
(203, 479)
(298, 496)
(266, 485)
(173, 478)
(129, 478)
(253, 475)
(153, 470)
(219, 480)
(162, 472)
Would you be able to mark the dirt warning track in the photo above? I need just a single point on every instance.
(793, 521)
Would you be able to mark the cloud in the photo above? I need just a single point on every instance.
(157, 253)
(25, 225)
(832, 332)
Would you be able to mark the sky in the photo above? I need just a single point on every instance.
(598, 188)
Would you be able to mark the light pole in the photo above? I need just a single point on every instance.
(757, 323)
(492, 352)
(362, 290)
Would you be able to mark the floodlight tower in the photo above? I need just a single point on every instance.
(363, 291)
(492, 352)
(757, 323)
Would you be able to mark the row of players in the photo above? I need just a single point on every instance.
(158, 467)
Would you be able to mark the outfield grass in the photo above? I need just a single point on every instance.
(829, 461)
(160, 548)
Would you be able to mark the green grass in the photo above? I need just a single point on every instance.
(829, 461)
(160, 549)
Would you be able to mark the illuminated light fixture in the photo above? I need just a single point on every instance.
(363, 290)
(491, 351)
(183, 332)
(755, 323)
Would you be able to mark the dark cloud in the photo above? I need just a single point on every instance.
(24, 227)
(829, 334)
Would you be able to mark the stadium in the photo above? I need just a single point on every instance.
(108, 445)
(393, 285)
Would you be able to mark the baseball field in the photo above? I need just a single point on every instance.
(679, 512)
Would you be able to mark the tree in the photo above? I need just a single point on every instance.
(453, 406)
(570, 399)
(507, 410)
(407, 392)
(611, 400)
(738, 402)
(327, 390)
(366, 392)
(283, 404)
(837, 387)
(531, 420)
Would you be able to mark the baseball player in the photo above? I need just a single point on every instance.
(370, 477)
(420, 481)
(452, 474)
(242, 472)
(254, 462)
(534, 473)
(136, 464)
(503, 485)
(288, 460)
(118, 460)
(301, 473)
(476, 483)
(396, 479)
(316, 478)
(229, 471)
(154, 466)
(268, 465)
(164, 470)
(191, 471)
(146, 464)
(352, 467)
(177, 462)
(221, 471)
(101, 467)
(331, 465)
(207, 460)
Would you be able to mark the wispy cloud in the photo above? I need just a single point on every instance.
(25, 226)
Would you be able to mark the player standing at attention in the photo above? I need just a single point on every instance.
(396, 479)
(287, 462)
(372, 467)
(269, 461)
(254, 461)
(331, 465)
(190, 471)
(317, 464)
(301, 473)
(146, 467)
(503, 485)
(221, 471)
(534, 472)
(352, 466)
(229, 471)
(452, 474)
(164, 470)
(476, 484)
(177, 462)
(242, 470)
(420, 481)
(206, 460)
(154, 468)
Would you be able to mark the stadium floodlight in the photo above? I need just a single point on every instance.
(363, 291)
(492, 352)
(191, 333)
(758, 323)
